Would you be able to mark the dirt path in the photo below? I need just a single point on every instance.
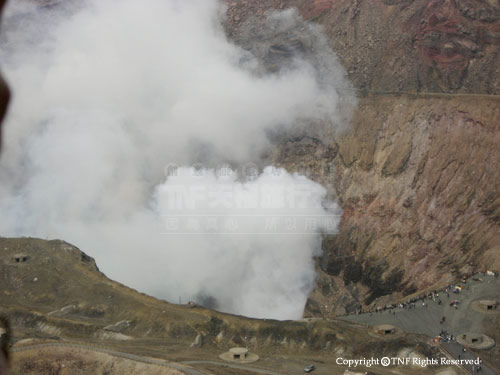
(159, 362)
(423, 94)
(239, 367)
(183, 366)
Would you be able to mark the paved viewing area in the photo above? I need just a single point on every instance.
(426, 315)
(456, 313)
(456, 350)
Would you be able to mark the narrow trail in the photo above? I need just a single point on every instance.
(422, 94)
(114, 353)
(182, 366)
(239, 367)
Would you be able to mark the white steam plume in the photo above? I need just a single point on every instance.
(107, 95)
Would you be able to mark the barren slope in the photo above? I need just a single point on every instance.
(53, 292)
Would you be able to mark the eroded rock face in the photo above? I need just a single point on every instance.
(416, 179)
(416, 175)
(402, 45)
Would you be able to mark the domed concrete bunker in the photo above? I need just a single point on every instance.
(385, 329)
(474, 340)
(20, 258)
(239, 355)
(488, 305)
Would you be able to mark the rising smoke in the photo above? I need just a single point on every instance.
(110, 93)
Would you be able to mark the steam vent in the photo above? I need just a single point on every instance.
(239, 355)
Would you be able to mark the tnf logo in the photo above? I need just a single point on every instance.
(400, 361)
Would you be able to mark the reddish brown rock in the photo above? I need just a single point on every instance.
(406, 45)
(417, 179)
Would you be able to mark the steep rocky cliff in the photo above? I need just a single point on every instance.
(417, 175)
(418, 181)
(403, 45)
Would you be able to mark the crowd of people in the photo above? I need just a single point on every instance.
(450, 295)
(435, 296)
(446, 337)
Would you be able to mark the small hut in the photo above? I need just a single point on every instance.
(239, 355)
(474, 340)
(20, 258)
(385, 329)
(488, 305)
